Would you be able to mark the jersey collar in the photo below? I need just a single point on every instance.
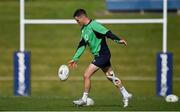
(88, 23)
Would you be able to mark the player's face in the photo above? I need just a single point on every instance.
(80, 20)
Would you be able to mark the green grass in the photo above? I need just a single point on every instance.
(57, 103)
(53, 45)
(59, 95)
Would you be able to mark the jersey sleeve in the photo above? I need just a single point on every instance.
(99, 28)
(112, 36)
(80, 50)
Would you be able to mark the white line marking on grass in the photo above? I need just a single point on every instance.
(128, 78)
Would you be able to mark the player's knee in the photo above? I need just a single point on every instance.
(111, 76)
(111, 73)
(86, 76)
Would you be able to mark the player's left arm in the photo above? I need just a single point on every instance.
(115, 38)
(107, 33)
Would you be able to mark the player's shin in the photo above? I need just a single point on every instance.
(87, 85)
(124, 92)
(117, 82)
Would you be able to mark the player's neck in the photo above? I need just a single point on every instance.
(87, 21)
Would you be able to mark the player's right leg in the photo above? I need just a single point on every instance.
(91, 69)
(117, 82)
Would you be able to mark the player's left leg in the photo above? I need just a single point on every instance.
(91, 69)
(117, 82)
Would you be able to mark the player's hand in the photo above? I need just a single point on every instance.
(122, 41)
(72, 64)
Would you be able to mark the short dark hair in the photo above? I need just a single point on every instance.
(79, 12)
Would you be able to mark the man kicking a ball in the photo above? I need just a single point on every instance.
(94, 35)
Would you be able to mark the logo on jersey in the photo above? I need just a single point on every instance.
(86, 34)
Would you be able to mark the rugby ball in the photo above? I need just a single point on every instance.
(90, 102)
(171, 98)
(63, 72)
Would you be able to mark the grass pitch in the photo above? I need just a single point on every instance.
(53, 45)
(58, 95)
(53, 103)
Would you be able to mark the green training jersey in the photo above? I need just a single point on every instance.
(93, 34)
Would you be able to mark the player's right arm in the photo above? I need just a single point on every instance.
(81, 47)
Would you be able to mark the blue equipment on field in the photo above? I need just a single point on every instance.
(164, 73)
(21, 73)
(136, 5)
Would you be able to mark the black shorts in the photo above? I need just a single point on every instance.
(102, 61)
